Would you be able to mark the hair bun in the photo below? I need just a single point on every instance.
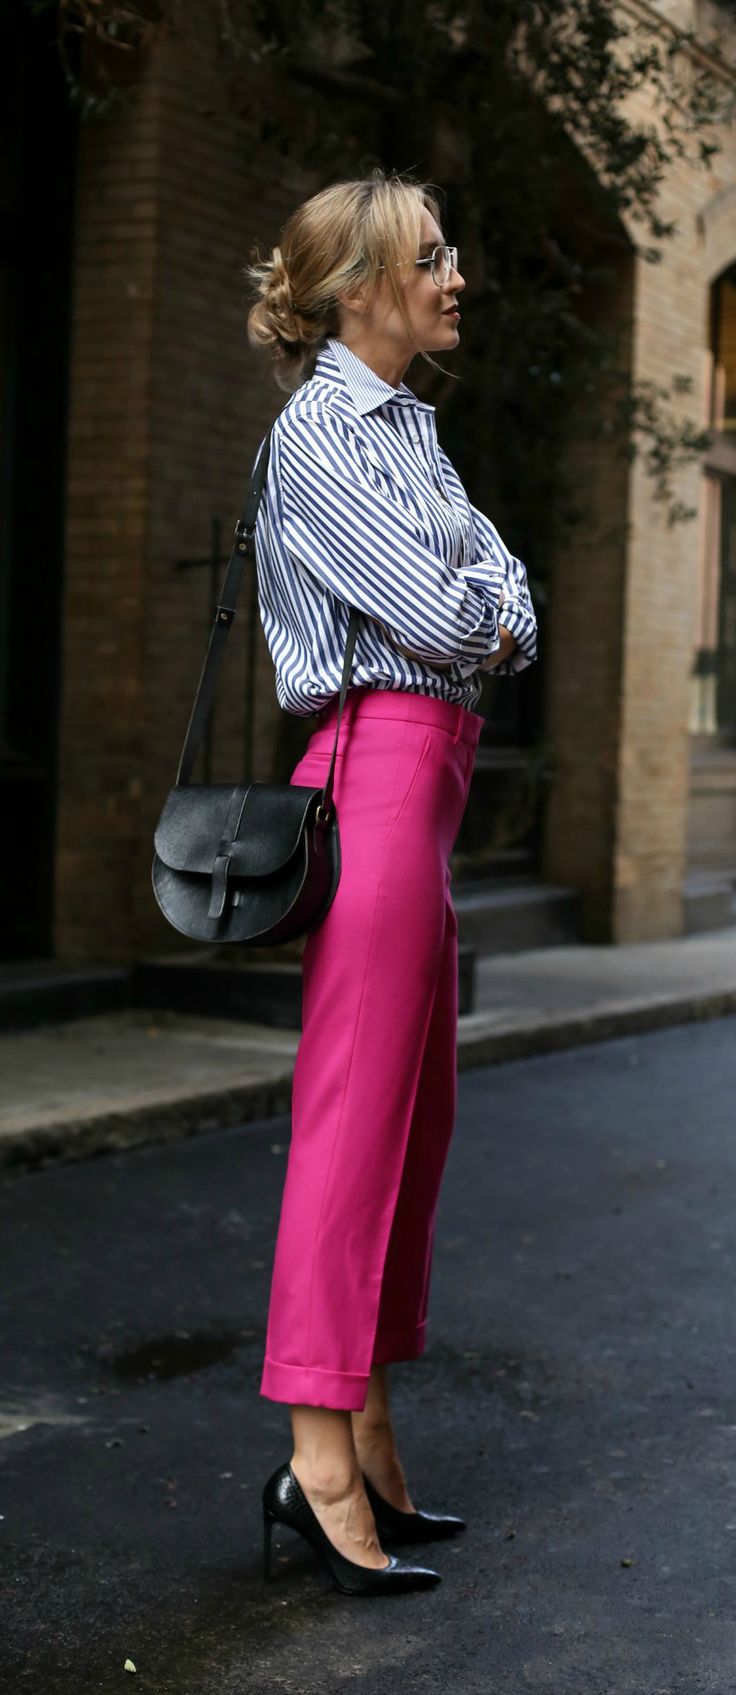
(279, 278)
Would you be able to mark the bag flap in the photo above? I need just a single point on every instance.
(268, 817)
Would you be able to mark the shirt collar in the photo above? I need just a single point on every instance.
(366, 388)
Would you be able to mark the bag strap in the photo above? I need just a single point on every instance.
(244, 547)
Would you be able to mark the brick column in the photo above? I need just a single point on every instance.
(102, 716)
(649, 853)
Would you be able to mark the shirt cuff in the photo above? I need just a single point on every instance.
(488, 575)
(516, 617)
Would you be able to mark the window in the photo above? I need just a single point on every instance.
(723, 349)
(713, 696)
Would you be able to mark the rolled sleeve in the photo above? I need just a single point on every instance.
(516, 610)
(342, 523)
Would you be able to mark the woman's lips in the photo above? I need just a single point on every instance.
(451, 312)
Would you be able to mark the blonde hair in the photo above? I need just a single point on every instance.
(338, 239)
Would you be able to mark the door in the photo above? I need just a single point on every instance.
(37, 129)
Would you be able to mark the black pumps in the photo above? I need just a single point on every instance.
(395, 1526)
(284, 1502)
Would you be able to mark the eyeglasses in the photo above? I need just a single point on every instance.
(442, 262)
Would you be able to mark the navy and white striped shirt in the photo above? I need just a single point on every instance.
(362, 508)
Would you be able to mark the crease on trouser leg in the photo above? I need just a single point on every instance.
(402, 1319)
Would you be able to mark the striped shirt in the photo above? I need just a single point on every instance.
(362, 508)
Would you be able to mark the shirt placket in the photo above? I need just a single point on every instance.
(423, 438)
(427, 441)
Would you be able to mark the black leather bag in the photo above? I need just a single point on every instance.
(255, 863)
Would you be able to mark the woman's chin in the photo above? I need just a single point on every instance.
(444, 336)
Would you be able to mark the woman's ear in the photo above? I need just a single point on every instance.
(354, 300)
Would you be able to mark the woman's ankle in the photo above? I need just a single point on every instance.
(372, 1424)
(324, 1457)
(375, 1437)
(326, 1476)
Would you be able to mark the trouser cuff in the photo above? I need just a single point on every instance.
(306, 1385)
(401, 1342)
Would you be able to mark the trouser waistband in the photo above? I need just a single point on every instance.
(458, 721)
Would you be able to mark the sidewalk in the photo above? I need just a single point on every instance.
(118, 1079)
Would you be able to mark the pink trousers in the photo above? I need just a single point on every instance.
(375, 1078)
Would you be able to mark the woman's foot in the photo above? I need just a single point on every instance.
(378, 1458)
(339, 1501)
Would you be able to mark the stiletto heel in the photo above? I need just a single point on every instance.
(284, 1502)
(395, 1526)
(267, 1528)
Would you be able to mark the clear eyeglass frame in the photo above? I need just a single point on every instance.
(441, 267)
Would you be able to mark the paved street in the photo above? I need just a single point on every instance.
(577, 1403)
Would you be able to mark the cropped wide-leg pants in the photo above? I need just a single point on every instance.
(375, 1078)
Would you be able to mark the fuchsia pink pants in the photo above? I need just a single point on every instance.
(375, 1079)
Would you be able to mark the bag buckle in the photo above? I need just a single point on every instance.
(322, 814)
(243, 535)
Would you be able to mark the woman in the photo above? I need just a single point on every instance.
(363, 509)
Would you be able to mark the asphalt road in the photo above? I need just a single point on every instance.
(577, 1404)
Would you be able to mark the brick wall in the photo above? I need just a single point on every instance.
(168, 405)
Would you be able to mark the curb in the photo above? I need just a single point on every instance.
(36, 1146)
(571, 1030)
(481, 1041)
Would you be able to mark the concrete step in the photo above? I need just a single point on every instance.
(512, 914)
(202, 983)
(51, 991)
(710, 899)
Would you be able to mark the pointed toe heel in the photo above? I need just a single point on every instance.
(284, 1502)
(395, 1526)
(268, 1524)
